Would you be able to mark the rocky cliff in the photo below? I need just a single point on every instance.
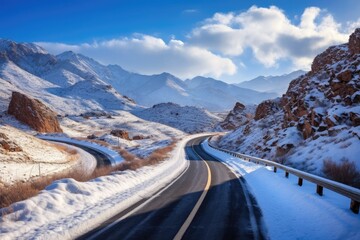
(237, 117)
(317, 119)
(33, 113)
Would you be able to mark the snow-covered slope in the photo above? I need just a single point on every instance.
(23, 156)
(274, 84)
(187, 119)
(68, 83)
(317, 119)
(77, 76)
(218, 95)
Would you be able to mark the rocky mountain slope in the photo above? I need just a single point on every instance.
(187, 119)
(86, 85)
(274, 84)
(317, 120)
(217, 95)
(238, 116)
(60, 81)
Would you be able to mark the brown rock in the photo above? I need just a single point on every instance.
(266, 108)
(139, 137)
(120, 133)
(306, 129)
(283, 150)
(355, 118)
(33, 113)
(354, 42)
(8, 145)
(237, 117)
(345, 76)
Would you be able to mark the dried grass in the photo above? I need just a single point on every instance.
(132, 162)
(344, 172)
(24, 190)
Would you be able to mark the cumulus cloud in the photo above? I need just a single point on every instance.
(147, 54)
(271, 35)
(220, 44)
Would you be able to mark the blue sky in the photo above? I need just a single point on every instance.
(227, 39)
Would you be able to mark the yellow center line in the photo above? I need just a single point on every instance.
(191, 216)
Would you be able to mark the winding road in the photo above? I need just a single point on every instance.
(207, 201)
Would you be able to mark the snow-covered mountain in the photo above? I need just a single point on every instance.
(187, 119)
(274, 84)
(68, 83)
(86, 84)
(217, 95)
(316, 123)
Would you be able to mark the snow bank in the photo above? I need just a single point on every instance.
(67, 208)
(113, 156)
(290, 211)
(38, 158)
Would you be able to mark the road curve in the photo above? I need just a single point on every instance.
(206, 202)
(101, 159)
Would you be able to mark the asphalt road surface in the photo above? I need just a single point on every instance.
(206, 202)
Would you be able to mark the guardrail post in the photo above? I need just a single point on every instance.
(275, 169)
(287, 174)
(319, 190)
(300, 182)
(354, 206)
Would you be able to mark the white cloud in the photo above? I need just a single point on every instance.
(148, 55)
(221, 44)
(271, 35)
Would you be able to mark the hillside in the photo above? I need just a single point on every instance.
(187, 119)
(316, 120)
(63, 83)
(23, 156)
(73, 83)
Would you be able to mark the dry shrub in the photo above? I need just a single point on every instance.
(24, 190)
(344, 172)
(132, 162)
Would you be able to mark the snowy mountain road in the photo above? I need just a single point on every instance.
(206, 202)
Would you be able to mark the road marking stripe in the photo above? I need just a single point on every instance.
(191, 216)
(101, 231)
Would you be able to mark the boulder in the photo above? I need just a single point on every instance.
(354, 42)
(8, 145)
(120, 133)
(236, 117)
(345, 76)
(33, 113)
(355, 119)
(266, 108)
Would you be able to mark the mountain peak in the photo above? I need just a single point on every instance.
(7, 45)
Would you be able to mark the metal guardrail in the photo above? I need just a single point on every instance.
(321, 183)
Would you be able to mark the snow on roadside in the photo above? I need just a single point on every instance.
(67, 208)
(114, 156)
(31, 157)
(290, 211)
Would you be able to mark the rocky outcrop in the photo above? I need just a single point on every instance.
(354, 42)
(33, 113)
(8, 145)
(319, 111)
(120, 133)
(237, 117)
(266, 108)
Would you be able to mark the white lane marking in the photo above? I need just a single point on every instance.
(97, 234)
(193, 212)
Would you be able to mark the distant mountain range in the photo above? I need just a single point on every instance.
(271, 84)
(73, 83)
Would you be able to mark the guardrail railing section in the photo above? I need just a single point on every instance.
(321, 183)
